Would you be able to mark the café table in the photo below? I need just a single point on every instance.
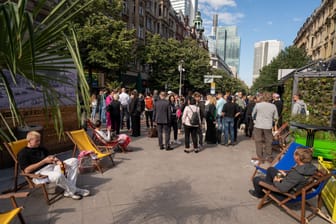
(311, 130)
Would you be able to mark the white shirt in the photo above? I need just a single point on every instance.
(124, 99)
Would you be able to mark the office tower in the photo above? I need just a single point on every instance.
(264, 52)
(228, 46)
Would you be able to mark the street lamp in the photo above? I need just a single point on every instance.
(180, 69)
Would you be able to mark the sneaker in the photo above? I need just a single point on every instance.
(178, 142)
(83, 192)
(196, 150)
(254, 194)
(188, 150)
(255, 162)
(72, 195)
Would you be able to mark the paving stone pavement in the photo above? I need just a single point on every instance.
(156, 186)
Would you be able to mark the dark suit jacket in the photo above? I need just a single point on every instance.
(162, 113)
(133, 107)
(115, 108)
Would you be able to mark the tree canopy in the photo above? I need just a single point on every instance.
(165, 56)
(106, 44)
(290, 58)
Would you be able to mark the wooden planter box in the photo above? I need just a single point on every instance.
(35, 116)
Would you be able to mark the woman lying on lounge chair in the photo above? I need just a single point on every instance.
(287, 181)
(106, 138)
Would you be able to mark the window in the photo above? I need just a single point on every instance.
(125, 8)
(141, 32)
(149, 23)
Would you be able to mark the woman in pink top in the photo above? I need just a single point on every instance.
(108, 100)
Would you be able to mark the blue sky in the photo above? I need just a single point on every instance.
(258, 20)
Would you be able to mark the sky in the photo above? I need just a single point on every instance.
(258, 20)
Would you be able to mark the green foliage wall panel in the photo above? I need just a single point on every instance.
(317, 92)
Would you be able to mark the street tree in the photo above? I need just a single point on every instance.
(106, 45)
(196, 63)
(229, 83)
(164, 57)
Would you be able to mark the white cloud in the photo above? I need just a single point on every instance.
(229, 18)
(209, 8)
(219, 3)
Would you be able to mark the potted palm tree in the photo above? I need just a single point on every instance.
(41, 52)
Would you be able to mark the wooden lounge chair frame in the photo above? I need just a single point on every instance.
(312, 190)
(13, 149)
(16, 211)
(83, 142)
(282, 134)
(99, 140)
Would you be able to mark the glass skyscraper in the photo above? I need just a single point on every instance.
(228, 46)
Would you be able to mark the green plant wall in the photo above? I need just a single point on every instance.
(317, 93)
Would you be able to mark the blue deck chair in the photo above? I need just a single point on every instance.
(313, 189)
(283, 161)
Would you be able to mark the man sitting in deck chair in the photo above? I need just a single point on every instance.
(287, 181)
(36, 159)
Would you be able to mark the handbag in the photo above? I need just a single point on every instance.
(152, 132)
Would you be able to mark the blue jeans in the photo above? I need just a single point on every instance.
(219, 123)
(228, 127)
(102, 112)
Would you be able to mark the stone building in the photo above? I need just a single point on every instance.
(318, 35)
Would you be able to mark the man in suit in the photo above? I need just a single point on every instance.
(162, 117)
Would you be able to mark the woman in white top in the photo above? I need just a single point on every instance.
(93, 105)
(191, 125)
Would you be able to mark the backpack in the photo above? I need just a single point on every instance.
(149, 103)
(194, 120)
(303, 110)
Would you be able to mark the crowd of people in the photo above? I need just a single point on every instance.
(204, 119)
(218, 117)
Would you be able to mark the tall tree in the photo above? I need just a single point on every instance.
(164, 56)
(196, 63)
(290, 57)
(106, 44)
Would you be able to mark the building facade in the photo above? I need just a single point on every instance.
(318, 35)
(188, 8)
(264, 52)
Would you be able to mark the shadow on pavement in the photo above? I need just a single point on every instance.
(173, 202)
